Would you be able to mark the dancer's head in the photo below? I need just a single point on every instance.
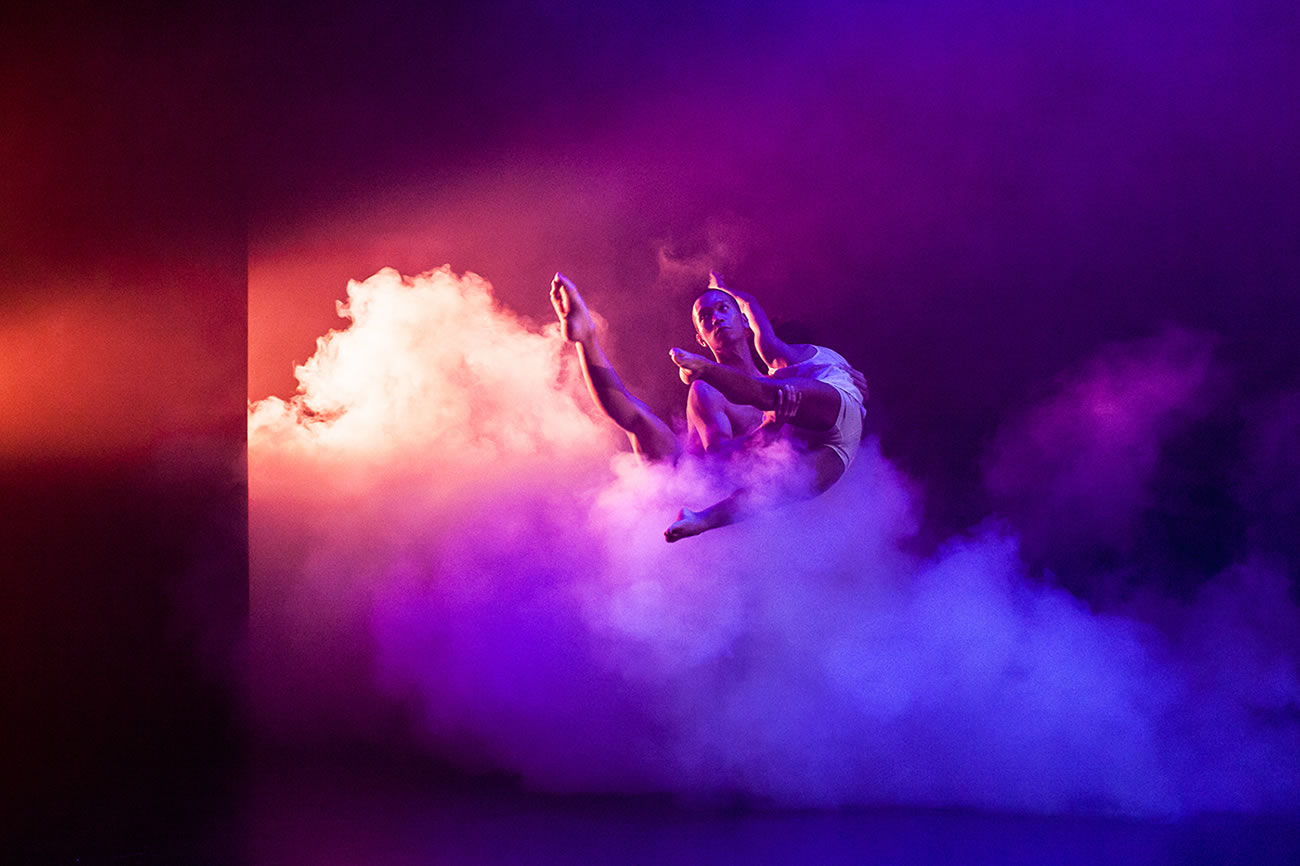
(718, 321)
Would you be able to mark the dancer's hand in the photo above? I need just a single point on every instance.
(788, 398)
(742, 298)
(859, 380)
(787, 404)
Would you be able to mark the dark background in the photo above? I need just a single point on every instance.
(123, 501)
(965, 200)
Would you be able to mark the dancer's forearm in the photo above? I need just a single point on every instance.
(773, 350)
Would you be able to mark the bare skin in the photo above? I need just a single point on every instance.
(775, 352)
(714, 421)
(819, 403)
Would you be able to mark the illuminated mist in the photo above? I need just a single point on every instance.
(452, 552)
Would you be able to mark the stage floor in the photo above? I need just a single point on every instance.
(282, 813)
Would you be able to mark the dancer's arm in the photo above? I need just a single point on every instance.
(774, 351)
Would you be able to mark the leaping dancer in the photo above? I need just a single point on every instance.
(731, 402)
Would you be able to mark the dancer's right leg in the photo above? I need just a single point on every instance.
(818, 405)
(822, 468)
(651, 438)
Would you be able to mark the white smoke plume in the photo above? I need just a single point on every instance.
(449, 549)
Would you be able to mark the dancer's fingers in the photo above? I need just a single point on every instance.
(859, 379)
(788, 400)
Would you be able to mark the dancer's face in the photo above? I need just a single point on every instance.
(718, 321)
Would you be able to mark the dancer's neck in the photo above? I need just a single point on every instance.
(737, 356)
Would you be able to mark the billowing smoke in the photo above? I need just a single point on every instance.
(450, 550)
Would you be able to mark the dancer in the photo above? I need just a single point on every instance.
(730, 403)
(820, 394)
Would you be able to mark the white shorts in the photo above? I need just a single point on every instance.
(829, 366)
(844, 435)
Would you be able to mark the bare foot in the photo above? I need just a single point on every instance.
(691, 365)
(688, 523)
(575, 321)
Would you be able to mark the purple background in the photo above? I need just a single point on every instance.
(967, 201)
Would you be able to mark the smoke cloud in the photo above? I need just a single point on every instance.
(449, 549)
